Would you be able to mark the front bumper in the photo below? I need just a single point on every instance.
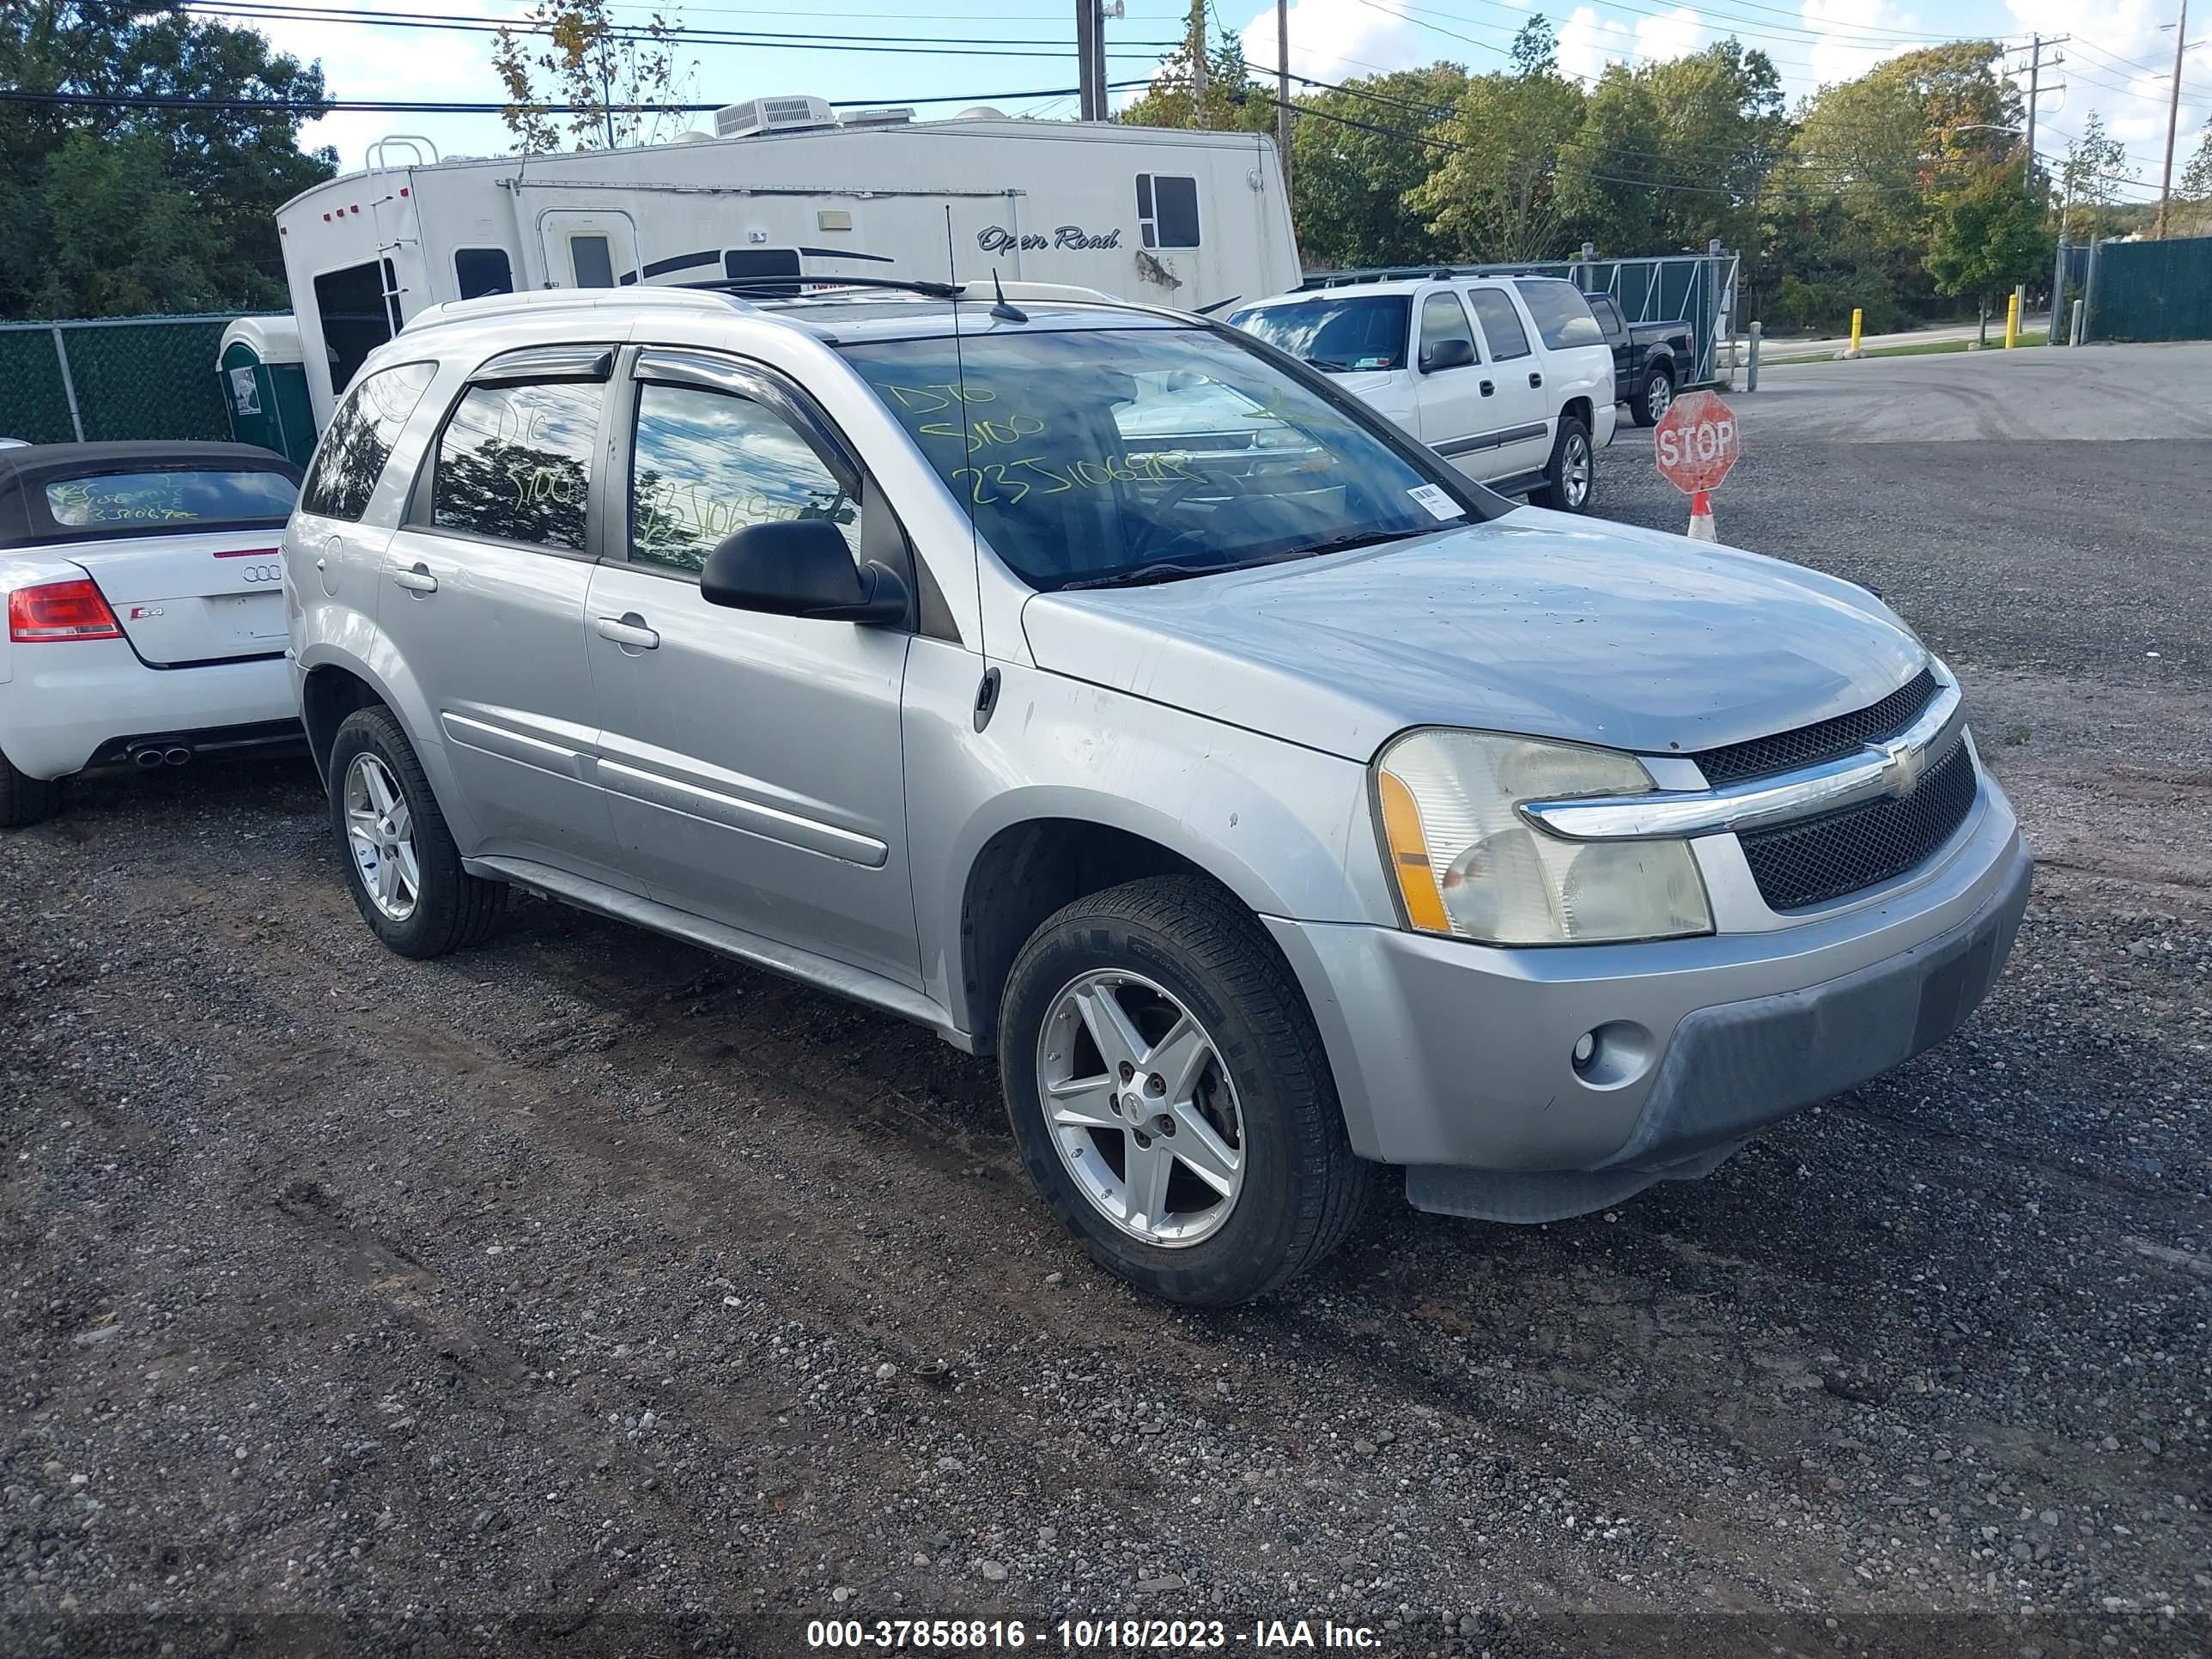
(70, 703)
(1453, 1059)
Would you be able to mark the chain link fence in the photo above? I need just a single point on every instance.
(117, 377)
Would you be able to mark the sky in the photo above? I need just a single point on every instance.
(2118, 63)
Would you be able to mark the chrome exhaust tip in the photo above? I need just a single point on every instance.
(176, 754)
(149, 758)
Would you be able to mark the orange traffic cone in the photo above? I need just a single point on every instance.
(1701, 517)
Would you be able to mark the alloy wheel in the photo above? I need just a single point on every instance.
(1575, 471)
(1140, 1108)
(1658, 397)
(381, 834)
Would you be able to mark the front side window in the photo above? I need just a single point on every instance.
(1108, 456)
(515, 463)
(480, 271)
(360, 439)
(1167, 210)
(1337, 333)
(1443, 319)
(170, 498)
(1563, 316)
(708, 464)
(1501, 325)
(359, 311)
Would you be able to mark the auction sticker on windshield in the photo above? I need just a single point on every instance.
(1434, 498)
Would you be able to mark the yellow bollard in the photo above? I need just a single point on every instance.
(1857, 317)
(2012, 322)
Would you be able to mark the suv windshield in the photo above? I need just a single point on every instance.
(1340, 333)
(1113, 456)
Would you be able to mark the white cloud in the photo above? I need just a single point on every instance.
(1856, 35)
(1587, 42)
(1334, 39)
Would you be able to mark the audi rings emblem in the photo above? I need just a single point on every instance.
(257, 575)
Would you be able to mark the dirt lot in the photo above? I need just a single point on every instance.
(581, 1294)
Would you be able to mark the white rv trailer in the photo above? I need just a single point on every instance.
(1187, 219)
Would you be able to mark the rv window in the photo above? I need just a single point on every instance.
(744, 263)
(594, 260)
(1167, 210)
(515, 463)
(359, 307)
(360, 439)
(480, 271)
(709, 463)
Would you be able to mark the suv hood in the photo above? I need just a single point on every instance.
(1535, 623)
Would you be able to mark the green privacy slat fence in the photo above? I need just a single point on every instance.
(133, 377)
(2151, 291)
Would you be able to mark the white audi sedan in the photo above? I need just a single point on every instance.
(146, 624)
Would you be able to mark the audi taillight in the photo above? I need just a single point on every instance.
(60, 610)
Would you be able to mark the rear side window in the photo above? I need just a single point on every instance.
(1501, 325)
(360, 440)
(1563, 316)
(170, 498)
(515, 463)
(479, 271)
(1167, 210)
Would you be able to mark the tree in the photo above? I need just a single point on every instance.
(621, 82)
(2096, 164)
(1988, 234)
(1232, 103)
(1359, 156)
(112, 210)
(1495, 189)
(1603, 195)
(1536, 49)
(2196, 177)
(1721, 129)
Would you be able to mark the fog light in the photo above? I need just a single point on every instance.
(1613, 1054)
(1585, 1050)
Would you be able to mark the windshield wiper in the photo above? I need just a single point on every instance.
(1143, 576)
(1328, 363)
(1345, 543)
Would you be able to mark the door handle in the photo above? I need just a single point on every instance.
(416, 580)
(629, 632)
(1535, 378)
(1487, 388)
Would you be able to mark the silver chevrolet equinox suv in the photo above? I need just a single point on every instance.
(1105, 691)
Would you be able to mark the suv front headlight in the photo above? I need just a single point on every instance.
(1466, 862)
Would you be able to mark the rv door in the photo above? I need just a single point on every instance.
(588, 247)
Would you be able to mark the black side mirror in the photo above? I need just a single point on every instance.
(800, 568)
(1447, 353)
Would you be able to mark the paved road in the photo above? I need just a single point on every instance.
(2095, 393)
(2037, 326)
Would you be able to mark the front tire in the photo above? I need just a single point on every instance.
(1571, 476)
(1654, 397)
(25, 800)
(1170, 1096)
(400, 860)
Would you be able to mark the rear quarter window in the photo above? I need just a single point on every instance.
(1563, 316)
(360, 440)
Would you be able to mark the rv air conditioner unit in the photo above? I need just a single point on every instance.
(757, 115)
(877, 118)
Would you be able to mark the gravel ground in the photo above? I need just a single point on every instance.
(586, 1293)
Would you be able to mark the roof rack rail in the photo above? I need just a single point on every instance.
(533, 301)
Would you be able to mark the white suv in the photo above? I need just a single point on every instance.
(1510, 381)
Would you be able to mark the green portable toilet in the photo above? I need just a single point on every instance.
(264, 386)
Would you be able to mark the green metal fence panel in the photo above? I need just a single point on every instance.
(132, 377)
(2151, 291)
(34, 405)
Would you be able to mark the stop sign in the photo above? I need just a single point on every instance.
(1696, 443)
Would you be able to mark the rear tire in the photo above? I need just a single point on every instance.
(1654, 397)
(25, 800)
(1571, 476)
(1253, 1100)
(400, 860)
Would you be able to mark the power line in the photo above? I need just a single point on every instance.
(308, 111)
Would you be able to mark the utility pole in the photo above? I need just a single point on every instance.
(1198, 62)
(2173, 115)
(1283, 91)
(2035, 88)
(1090, 59)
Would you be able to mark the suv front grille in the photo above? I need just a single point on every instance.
(1816, 859)
(1832, 739)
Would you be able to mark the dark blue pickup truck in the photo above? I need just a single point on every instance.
(1651, 361)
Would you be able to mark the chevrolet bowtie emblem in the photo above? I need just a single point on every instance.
(1902, 764)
